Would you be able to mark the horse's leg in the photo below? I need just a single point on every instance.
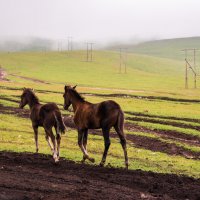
(123, 143)
(106, 132)
(80, 143)
(53, 139)
(47, 137)
(35, 128)
(58, 138)
(85, 136)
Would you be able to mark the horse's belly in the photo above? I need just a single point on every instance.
(92, 124)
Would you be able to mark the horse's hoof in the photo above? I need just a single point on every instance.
(91, 160)
(101, 164)
(56, 160)
(126, 166)
(83, 161)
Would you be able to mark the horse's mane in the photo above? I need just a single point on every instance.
(32, 95)
(76, 95)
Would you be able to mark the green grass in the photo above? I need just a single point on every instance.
(144, 72)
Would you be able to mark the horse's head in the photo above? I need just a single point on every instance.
(25, 97)
(66, 96)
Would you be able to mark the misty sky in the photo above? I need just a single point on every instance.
(100, 20)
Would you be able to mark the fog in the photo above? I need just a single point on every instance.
(99, 21)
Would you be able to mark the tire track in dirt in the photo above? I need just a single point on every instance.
(171, 123)
(168, 134)
(162, 117)
(119, 95)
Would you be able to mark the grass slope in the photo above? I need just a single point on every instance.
(144, 72)
(168, 48)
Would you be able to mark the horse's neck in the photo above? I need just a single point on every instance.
(76, 103)
(33, 102)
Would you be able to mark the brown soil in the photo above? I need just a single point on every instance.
(16, 111)
(35, 176)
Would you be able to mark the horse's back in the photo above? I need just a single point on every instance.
(106, 107)
(49, 107)
(108, 112)
(47, 112)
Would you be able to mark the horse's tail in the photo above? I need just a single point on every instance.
(60, 125)
(120, 120)
(122, 136)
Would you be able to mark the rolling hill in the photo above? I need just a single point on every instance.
(143, 72)
(168, 48)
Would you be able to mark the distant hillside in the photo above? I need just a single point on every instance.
(25, 44)
(169, 48)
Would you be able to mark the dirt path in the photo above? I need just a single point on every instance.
(30, 79)
(31, 176)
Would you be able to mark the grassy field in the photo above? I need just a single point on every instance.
(144, 72)
(162, 133)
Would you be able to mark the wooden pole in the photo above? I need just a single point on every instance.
(186, 76)
(120, 64)
(91, 52)
(87, 52)
(125, 63)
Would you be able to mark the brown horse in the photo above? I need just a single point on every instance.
(105, 115)
(47, 116)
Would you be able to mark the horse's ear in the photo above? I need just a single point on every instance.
(65, 88)
(74, 87)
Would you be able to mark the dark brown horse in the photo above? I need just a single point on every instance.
(47, 116)
(105, 115)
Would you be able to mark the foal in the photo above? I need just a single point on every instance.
(105, 115)
(47, 116)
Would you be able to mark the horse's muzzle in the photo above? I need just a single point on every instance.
(21, 106)
(65, 107)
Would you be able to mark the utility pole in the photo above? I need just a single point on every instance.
(69, 40)
(89, 52)
(188, 66)
(125, 62)
(122, 60)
